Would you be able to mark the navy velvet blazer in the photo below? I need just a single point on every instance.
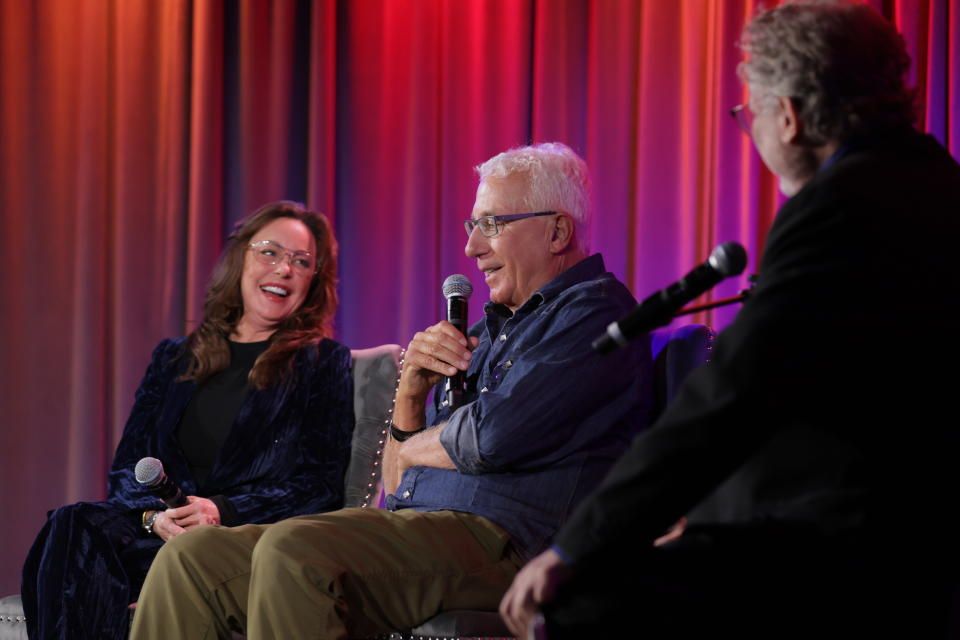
(286, 454)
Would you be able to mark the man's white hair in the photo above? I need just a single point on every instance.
(559, 181)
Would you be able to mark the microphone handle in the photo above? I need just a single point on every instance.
(653, 312)
(169, 492)
(457, 383)
(177, 500)
(657, 309)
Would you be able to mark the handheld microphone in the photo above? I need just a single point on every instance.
(728, 259)
(456, 289)
(149, 473)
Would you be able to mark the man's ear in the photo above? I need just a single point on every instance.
(562, 233)
(791, 127)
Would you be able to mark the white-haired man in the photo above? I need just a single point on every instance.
(484, 489)
(817, 433)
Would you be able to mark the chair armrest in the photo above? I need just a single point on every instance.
(13, 624)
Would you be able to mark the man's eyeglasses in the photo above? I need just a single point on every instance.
(744, 117)
(491, 226)
(270, 252)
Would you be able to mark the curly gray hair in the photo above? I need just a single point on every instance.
(559, 181)
(842, 63)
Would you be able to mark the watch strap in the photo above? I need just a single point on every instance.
(400, 435)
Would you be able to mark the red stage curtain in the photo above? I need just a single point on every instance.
(134, 133)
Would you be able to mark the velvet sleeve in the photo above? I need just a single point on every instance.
(140, 433)
(302, 458)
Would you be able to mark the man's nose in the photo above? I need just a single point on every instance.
(477, 243)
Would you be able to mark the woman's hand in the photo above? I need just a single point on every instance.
(197, 513)
(165, 528)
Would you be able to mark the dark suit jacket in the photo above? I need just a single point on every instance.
(826, 406)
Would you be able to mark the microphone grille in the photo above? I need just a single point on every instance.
(148, 470)
(457, 286)
(729, 259)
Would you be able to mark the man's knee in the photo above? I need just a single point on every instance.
(185, 547)
(326, 544)
(205, 557)
(199, 540)
(289, 541)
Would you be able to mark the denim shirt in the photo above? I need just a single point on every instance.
(544, 416)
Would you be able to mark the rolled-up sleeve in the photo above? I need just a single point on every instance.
(459, 438)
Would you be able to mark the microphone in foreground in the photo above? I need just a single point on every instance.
(456, 289)
(728, 259)
(149, 473)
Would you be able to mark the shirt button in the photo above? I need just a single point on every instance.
(406, 495)
(507, 364)
(503, 337)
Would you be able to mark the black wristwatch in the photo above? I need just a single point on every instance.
(400, 435)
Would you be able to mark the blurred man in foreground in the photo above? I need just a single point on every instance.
(813, 449)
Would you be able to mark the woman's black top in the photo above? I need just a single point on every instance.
(208, 418)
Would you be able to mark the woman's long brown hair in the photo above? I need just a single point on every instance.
(208, 348)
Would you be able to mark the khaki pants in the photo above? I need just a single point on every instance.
(348, 573)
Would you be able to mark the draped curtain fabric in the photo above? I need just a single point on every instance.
(134, 133)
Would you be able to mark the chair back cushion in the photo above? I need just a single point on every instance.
(374, 385)
(676, 352)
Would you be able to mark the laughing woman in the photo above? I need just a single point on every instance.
(251, 414)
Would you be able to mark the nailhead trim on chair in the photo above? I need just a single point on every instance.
(12, 618)
(375, 473)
